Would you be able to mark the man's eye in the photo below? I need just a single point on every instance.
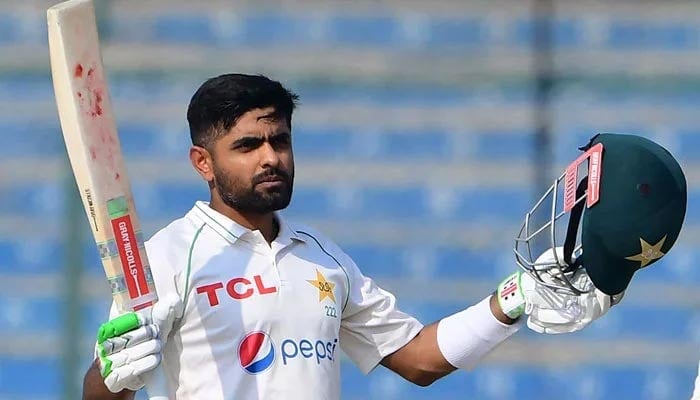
(246, 145)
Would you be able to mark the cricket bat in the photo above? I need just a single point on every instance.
(92, 143)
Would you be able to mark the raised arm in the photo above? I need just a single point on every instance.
(461, 340)
(422, 362)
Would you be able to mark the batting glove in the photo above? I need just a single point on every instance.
(130, 346)
(549, 311)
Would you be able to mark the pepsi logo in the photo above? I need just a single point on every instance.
(256, 352)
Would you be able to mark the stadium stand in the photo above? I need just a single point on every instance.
(415, 148)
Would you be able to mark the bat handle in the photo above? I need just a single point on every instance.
(157, 385)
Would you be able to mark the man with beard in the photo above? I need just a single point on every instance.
(257, 307)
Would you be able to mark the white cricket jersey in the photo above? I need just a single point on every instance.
(267, 321)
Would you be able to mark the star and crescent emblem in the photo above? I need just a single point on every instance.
(650, 252)
(325, 288)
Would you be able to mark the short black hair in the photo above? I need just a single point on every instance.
(218, 104)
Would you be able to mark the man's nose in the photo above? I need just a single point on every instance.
(268, 155)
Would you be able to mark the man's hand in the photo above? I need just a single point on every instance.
(550, 311)
(553, 312)
(130, 346)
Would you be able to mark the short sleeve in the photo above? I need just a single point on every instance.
(372, 327)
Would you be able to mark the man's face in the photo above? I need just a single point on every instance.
(253, 164)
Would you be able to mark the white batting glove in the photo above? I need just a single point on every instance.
(549, 311)
(552, 312)
(129, 346)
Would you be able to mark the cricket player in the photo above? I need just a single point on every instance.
(254, 306)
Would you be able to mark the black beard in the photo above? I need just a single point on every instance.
(251, 201)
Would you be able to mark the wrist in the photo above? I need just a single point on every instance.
(498, 312)
(466, 337)
(509, 303)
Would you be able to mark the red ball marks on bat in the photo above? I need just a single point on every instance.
(80, 95)
(97, 103)
(78, 71)
(93, 153)
(117, 176)
(90, 71)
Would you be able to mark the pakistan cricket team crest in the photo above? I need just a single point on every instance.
(325, 287)
(650, 252)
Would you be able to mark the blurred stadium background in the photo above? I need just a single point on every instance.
(426, 130)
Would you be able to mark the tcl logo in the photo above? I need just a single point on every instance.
(237, 288)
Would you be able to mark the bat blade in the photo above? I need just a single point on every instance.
(92, 143)
(90, 134)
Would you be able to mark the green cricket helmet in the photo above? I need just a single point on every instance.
(629, 204)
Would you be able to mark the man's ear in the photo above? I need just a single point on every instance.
(202, 162)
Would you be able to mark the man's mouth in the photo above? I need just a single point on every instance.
(274, 178)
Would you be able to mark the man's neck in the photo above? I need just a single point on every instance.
(266, 223)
